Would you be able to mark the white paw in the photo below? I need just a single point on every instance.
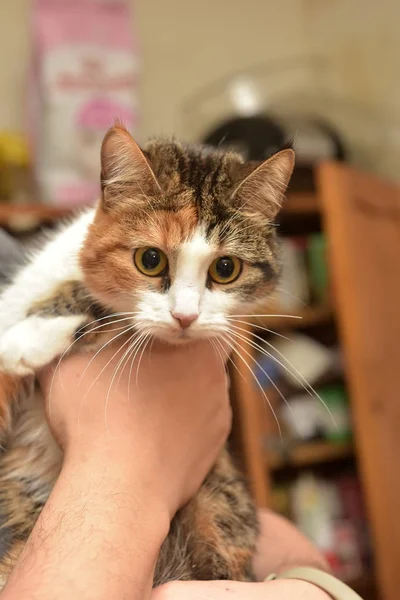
(35, 342)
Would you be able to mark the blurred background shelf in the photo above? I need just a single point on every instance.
(301, 203)
(309, 454)
(351, 210)
(30, 216)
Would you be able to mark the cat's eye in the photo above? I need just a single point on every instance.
(150, 261)
(225, 269)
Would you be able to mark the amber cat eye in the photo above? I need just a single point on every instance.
(150, 261)
(225, 269)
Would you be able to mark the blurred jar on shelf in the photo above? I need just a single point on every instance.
(293, 290)
(16, 175)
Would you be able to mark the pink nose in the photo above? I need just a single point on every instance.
(184, 320)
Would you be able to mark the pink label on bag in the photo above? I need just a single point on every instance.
(83, 79)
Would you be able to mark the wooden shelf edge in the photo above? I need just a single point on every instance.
(301, 203)
(296, 203)
(29, 216)
(308, 454)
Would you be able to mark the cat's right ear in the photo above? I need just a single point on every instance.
(125, 173)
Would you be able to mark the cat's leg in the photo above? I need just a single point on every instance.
(50, 326)
(35, 342)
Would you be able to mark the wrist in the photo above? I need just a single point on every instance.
(137, 462)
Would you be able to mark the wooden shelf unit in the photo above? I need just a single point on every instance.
(303, 203)
(360, 215)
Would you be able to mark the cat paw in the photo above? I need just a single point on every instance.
(35, 342)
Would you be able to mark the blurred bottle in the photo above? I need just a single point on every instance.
(318, 267)
(337, 422)
(16, 180)
(318, 511)
(315, 505)
(293, 291)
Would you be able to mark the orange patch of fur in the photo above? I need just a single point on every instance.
(211, 547)
(169, 229)
(106, 257)
(9, 387)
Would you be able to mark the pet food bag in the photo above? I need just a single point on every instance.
(83, 79)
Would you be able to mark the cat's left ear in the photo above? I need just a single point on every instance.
(125, 173)
(262, 191)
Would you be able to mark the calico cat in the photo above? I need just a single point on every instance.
(182, 238)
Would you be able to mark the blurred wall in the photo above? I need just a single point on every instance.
(187, 44)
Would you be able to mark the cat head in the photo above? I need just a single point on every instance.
(183, 236)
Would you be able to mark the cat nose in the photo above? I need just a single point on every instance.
(185, 320)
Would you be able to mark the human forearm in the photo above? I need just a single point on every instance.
(226, 590)
(133, 458)
(97, 537)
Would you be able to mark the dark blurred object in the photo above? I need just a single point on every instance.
(318, 267)
(255, 137)
(11, 256)
(259, 136)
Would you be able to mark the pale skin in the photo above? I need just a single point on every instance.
(127, 470)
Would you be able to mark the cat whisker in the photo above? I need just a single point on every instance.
(281, 290)
(218, 352)
(126, 353)
(295, 373)
(57, 368)
(108, 362)
(217, 342)
(144, 345)
(303, 381)
(151, 346)
(133, 358)
(100, 327)
(91, 331)
(272, 382)
(142, 333)
(131, 350)
(234, 346)
(106, 365)
(123, 332)
(228, 356)
(262, 328)
(258, 315)
(131, 314)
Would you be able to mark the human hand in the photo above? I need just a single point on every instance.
(280, 589)
(172, 424)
